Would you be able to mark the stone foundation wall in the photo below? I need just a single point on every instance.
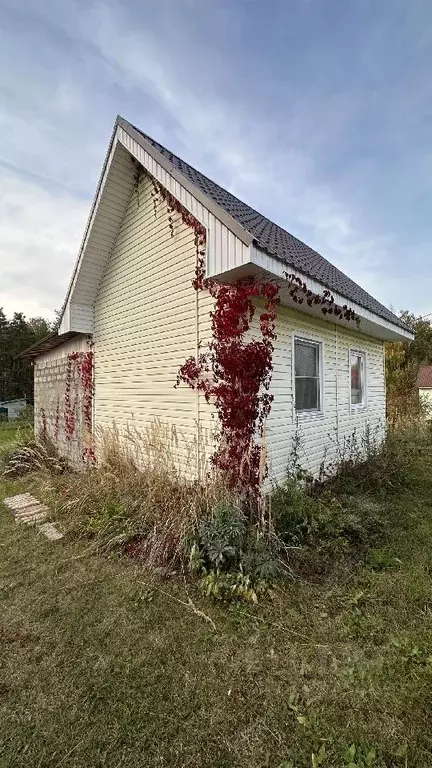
(50, 371)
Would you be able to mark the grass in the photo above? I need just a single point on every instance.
(103, 665)
(11, 432)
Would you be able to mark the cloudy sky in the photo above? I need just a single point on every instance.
(316, 112)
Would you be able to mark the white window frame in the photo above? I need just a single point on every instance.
(360, 353)
(313, 413)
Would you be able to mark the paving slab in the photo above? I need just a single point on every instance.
(25, 508)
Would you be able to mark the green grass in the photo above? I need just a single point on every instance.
(101, 667)
(11, 432)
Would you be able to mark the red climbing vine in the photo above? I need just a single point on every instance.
(43, 430)
(235, 375)
(83, 363)
(235, 372)
(299, 293)
(57, 420)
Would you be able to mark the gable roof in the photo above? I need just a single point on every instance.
(275, 240)
(424, 377)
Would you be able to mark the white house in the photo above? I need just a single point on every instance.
(424, 385)
(131, 297)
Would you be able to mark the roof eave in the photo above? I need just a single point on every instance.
(46, 344)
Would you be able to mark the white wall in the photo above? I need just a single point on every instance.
(147, 315)
(425, 394)
(148, 319)
(321, 433)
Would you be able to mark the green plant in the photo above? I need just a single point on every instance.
(414, 654)
(233, 585)
(360, 757)
(234, 562)
(221, 537)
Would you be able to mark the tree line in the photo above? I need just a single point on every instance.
(16, 376)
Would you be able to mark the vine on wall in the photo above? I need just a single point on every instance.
(43, 430)
(299, 293)
(82, 363)
(235, 375)
(57, 420)
(235, 372)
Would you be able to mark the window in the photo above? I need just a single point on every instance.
(307, 368)
(357, 370)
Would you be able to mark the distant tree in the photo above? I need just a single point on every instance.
(403, 360)
(40, 326)
(16, 376)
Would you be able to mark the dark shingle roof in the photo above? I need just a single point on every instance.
(277, 241)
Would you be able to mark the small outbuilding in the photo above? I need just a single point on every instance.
(11, 409)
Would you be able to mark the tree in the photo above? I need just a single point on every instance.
(16, 376)
(403, 360)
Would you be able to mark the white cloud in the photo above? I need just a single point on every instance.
(277, 179)
(160, 71)
(39, 231)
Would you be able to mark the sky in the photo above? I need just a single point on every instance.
(318, 113)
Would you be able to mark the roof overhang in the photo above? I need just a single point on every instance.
(46, 344)
(370, 323)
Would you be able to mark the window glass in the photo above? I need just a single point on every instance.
(357, 378)
(307, 375)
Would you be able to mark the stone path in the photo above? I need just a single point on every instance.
(26, 509)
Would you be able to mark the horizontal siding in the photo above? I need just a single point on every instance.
(148, 320)
(146, 326)
(320, 435)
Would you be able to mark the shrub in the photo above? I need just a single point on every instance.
(370, 464)
(304, 518)
(232, 557)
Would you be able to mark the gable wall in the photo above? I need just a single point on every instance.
(49, 400)
(146, 319)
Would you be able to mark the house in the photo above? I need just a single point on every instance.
(132, 317)
(11, 409)
(424, 386)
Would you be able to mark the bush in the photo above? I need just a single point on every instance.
(304, 518)
(370, 464)
(233, 559)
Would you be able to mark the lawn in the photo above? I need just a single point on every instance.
(100, 665)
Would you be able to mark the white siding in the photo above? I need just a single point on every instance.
(146, 324)
(149, 319)
(224, 249)
(319, 434)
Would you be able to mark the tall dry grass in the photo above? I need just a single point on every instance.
(138, 497)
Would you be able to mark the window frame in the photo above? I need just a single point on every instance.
(312, 413)
(362, 354)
